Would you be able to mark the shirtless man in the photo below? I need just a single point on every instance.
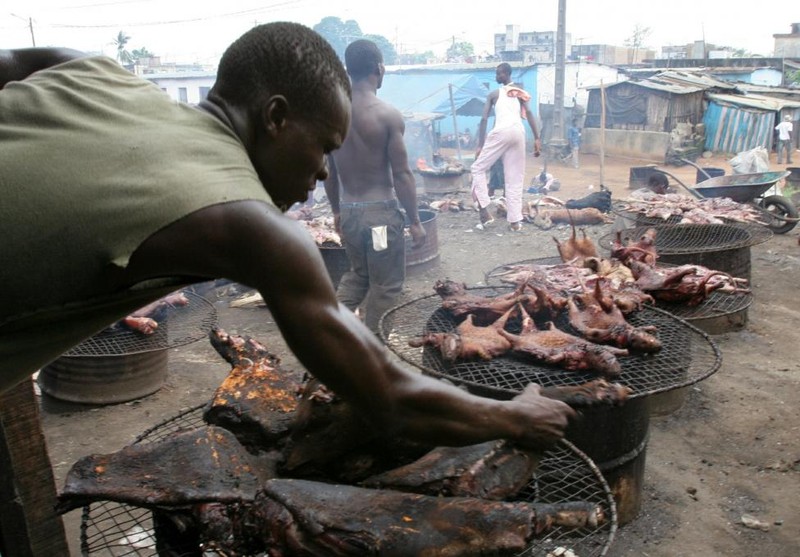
(115, 195)
(369, 174)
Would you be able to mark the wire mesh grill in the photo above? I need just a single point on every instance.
(178, 326)
(717, 304)
(110, 529)
(748, 216)
(686, 238)
(759, 231)
(688, 355)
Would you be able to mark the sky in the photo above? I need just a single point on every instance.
(181, 31)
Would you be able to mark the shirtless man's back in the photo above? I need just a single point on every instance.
(369, 180)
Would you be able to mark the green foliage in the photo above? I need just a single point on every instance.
(338, 33)
(139, 53)
(121, 41)
(460, 52)
(386, 48)
(793, 77)
(341, 33)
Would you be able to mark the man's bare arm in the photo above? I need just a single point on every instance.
(405, 186)
(251, 243)
(17, 64)
(537, 142)
(487, 110)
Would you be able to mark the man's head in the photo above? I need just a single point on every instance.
(363, 59)
(658, 183)
(292, 88)
(787, 118)
(502, 73)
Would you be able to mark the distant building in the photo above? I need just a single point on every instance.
(788, 45)
(529, 47)
(611, 55)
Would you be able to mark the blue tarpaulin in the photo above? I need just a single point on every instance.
(431, 93)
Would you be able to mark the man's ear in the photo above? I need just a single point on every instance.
(274, 114)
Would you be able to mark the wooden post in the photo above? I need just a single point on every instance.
(455, 121)
(29, 525)
(602, 133)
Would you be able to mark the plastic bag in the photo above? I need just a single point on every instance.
(750, 162)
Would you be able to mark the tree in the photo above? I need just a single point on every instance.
(139, 53)
(460, 52)
(121, 41)
(338, 33)
(636, 41)
(341, 33)
(386, 48)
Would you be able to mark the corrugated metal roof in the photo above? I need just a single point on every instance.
(754, 101)
(680, 82)
(676, 88)
(697, 79)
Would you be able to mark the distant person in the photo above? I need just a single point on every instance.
(505, 141)
(368, 175)
(544, 183)
(785, 130)
(574, 140)
(659, 183)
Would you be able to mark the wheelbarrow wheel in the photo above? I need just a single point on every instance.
(784, 211)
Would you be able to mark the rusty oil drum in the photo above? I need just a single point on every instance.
(424, 257)
(105, 379)
(615, 438)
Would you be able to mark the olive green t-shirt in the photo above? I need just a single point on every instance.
(93, 161)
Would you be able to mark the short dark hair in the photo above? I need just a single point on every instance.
(280, 58)
(362, 58)
(504, 66)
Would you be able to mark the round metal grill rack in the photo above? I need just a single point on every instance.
(110, 529)
(688, 354)
(717, 304)
(759, 232)
(686, 238)
(178, 326)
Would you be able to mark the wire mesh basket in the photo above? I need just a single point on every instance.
(178, 325)
(110, 529)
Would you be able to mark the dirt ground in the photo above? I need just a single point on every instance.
(730, 452)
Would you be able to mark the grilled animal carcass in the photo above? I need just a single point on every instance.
(200, 465)
(493, 470)
(592, 393)
(598, 319)
(331, 441)
(457, 300)
(258, 399)
(686, 284)
(145, 320)
(470, 340)
(643, 249)
(575, 250)
(555, 347)
(307, 519)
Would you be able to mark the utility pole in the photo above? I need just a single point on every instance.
(29, 20)
(557, 136)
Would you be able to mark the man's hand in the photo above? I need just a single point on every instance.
(418, 235)
(547, 418)
(537, 147)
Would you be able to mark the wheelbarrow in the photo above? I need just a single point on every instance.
(780, 214)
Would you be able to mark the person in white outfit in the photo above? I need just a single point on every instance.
(506, 140)
(785, 129)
